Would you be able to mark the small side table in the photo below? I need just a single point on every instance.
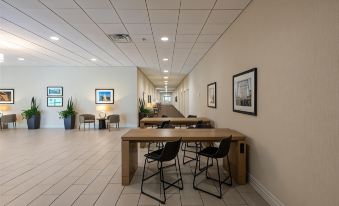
(102, 123)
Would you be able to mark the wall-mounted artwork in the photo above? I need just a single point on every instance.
(176, 98)
(6, 96)
(54, 91)
(245, 92)
(149, 100)
(104, 96)
(55, 101)
(212, 95)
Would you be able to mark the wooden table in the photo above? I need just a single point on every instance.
(129, 147)
(178, 121)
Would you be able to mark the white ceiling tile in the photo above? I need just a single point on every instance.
(164, 29)
(231, 4)
(126, 45)
(140, 38)
(113, 28)
(186, 38)
(60, 4)
(182, 45)
(168, 45)
(26, 4)
(163, 4)
(189, 28)
(207, 38)
(202, 45)
(43, 15)
(74, 16)
(103, 16)
(129, 4)
(134, 16)
(197, 4)
(94, 4)
(193, 16)
(223, 16)
(164, 16)
(138, 28)
(145, 45)
(214, 29)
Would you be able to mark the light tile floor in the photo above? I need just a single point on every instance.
(57, 167)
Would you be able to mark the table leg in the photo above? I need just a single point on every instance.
(237, 157)
(129, 162)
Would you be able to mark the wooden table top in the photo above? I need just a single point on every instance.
(185, 134)
(173, 119)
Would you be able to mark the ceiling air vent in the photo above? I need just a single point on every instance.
(119, 38)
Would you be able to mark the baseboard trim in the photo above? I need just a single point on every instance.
(270, 198)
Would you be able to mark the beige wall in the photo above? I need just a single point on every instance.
(294, 139)
(147, 87)
(80, 83)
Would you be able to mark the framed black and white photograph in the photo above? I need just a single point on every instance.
(176, 99)
(212, 95)
(54, 91)
(55, 101)
(6, 96)
(245, 92)
(104, 96)
(149, 99)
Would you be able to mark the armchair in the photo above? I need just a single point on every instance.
(6, 119)
(86, 119)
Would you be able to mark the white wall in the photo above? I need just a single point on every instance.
(80, 83)
(293, 142)
(146, 87)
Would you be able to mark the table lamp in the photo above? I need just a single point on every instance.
(102, 110)
(3, 108)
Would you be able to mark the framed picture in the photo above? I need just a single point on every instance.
(55, 91)
(212, 95)
(149, 99)
(245, 92)
(176, 99)
(104, 96)
(6, 96)
(55, 101)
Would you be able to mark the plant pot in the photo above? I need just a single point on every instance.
(34, 122)
(141, 116)
(69, 122)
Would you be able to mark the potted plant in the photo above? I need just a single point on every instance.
(68, 115)
(32, 115)
(143, 111)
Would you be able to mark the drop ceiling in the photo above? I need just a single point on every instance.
(192, 26)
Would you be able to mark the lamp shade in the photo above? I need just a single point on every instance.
(4, 108)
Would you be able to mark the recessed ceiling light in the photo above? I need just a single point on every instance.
(21, 59)
(165, 59)
(55, 38)
(165, 71)
(165, 77)
(93, 59)
(164, 38)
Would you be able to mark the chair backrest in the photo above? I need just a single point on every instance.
(168, 126)
(192, 116)
(114, 118)
(170, 150)
(83, 117)
(8, 118)
(201, 125)
(224, 147)
(164, 116)
(164, 123)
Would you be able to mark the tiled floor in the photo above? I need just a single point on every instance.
(57, 167)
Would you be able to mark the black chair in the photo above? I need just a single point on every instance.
(162, 125)
(164, 116)
(168, 153)
(187, 147)
(214, 153)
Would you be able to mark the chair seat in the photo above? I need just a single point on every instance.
(155, 155)
(208, 152)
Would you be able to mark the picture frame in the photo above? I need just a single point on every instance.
(212, 95)
(55, 91)
(176, 99)
(245, 92)
(104, 96)
(55, 101)
(149, 100)
(7, 96)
